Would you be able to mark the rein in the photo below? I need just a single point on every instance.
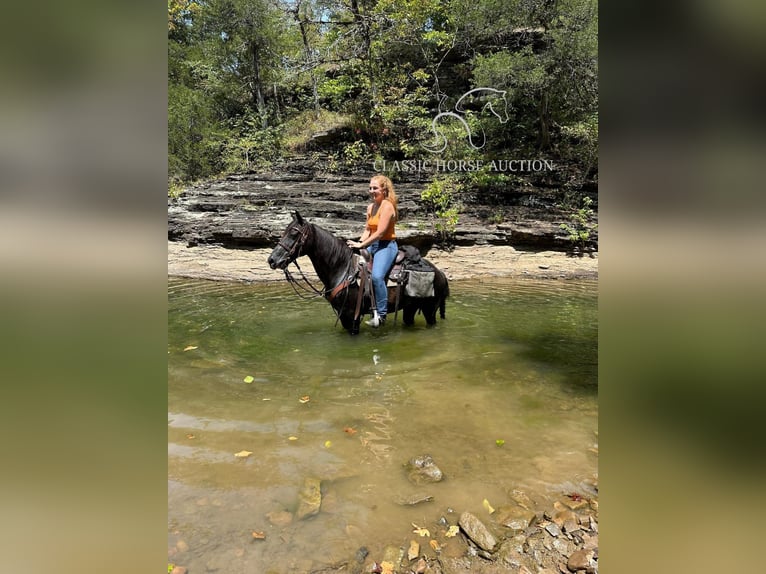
(298, 286)
(293, 252)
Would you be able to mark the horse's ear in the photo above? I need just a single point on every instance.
(298, 217)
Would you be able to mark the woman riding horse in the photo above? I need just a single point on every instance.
(379, 238)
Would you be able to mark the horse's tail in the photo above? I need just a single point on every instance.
(443, 302)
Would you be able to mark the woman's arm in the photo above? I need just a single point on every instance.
(386, 212)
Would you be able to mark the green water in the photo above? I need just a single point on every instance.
(514, 361)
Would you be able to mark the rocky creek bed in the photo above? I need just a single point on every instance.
(225, 230)
(528, 533)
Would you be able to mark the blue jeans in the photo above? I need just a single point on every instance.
(384, 251)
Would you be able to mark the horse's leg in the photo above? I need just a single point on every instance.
(408, 312)
(429, 311)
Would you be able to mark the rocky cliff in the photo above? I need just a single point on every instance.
(252, 210)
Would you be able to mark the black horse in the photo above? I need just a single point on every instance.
(340, 270)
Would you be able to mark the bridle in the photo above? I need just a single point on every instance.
(303, 287)
(294, 251)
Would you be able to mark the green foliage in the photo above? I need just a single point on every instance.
(249, 148)
(484, 179)
(249, 80)
(356, 153)
(298, 130)
(441, 197)
(193, 140)
(580, 226)
(175, 189)
(335, 91)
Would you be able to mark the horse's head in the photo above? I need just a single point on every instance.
(498, 104)
(291, 244)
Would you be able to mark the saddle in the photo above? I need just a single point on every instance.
(408, 270)
(402, 272)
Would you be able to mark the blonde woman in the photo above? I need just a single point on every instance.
(379, 238)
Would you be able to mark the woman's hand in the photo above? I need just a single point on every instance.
(354, 244)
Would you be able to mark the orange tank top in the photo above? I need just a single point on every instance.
(372, 223)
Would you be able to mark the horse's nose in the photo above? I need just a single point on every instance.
(272, 263)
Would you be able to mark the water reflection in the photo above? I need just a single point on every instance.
(514, 361)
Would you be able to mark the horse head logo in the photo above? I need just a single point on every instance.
(496, 103)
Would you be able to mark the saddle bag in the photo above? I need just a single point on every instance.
(420, 283)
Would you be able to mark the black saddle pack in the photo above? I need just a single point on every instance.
(410, 271)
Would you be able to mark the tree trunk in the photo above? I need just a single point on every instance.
(258, 99)
(544, 137)
(364, 29)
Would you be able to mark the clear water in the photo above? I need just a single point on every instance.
(514, 361)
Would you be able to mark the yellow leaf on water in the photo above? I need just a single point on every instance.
(420, 531)
(452, 531)
(258, 535)
(292, 438)
(327, 444)
(243, 453)
(248, 379)
(304, 399)
(189, 348)
(435, 545)
(488, 506)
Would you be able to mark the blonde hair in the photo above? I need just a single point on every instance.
(388, 188)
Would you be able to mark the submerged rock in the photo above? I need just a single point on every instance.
(280, 517)
(476, 531)
(310, 498)
(422, 469)
(413, 499)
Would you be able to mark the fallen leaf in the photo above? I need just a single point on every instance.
(190, 436)
(435, 545)
(292, 438)
(349, 430)
(420, 531)
(488, 506)
(243, 453)
(499, 442)
(327, 444)
(304, 399)
(189, 348)
(258, 535)
(249, 379)
(452, 531)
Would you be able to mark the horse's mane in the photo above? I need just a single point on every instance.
(333, 248)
